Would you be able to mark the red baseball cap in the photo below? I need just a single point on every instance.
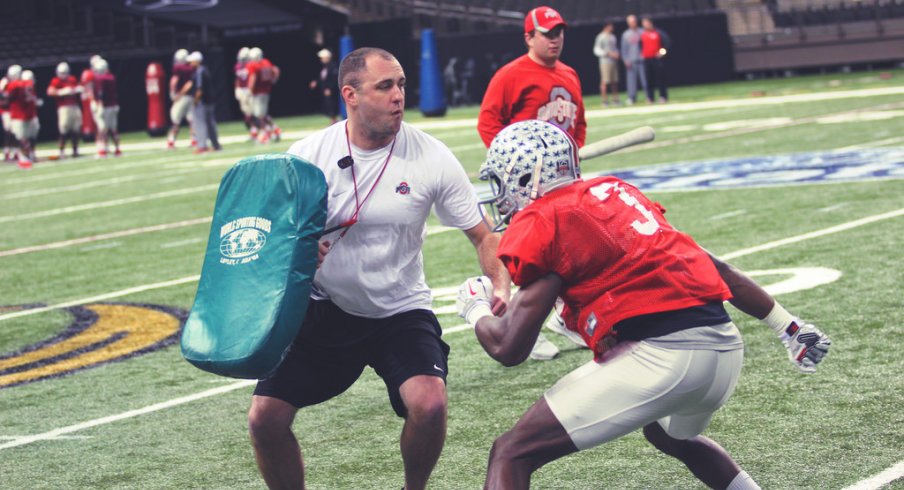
(543, 19)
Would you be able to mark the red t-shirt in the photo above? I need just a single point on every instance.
(105, 89)
(524, 89)
(617, 255)
(650, 42)
(68, 82)
(265, 76)
(23, 104)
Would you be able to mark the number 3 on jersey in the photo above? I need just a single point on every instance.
(604, 191)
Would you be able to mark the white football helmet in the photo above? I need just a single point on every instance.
(14, 72)
(525, 161)
(243, 54)
(100, 66)
(256, 54)
(62, 70)
(180, 55)
(28, 75)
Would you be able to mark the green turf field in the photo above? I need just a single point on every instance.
(106, 243)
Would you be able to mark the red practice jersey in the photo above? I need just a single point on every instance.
(265, 76)
(184, 73)
(23, 102)
(105, 89)
(524, 89)
(617, 255)
(67, 82)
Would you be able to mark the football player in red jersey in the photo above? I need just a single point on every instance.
(644, 296)
(66, 89)
(22, 109)
(536, 85)
(106, 108)
(262, 76)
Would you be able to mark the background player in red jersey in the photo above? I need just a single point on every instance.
(66, 89)
(106, 109)
(262, 76)
(644, 296)
(22, 108)
(536, 85)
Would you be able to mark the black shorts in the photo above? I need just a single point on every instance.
(333, 347)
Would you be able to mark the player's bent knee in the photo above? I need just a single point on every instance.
(425, 398)
(429, 407)
(269, 418)
(657, 436)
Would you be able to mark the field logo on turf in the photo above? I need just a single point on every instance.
(774, 170)
(99, 333)
(241, 239)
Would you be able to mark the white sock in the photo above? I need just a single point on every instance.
(742, 482)
(778, 319)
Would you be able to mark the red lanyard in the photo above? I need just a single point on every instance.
(360, 204)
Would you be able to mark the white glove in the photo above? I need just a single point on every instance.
(806, 345)
(474, 297)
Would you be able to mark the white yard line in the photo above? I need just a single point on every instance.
(891, 474)
(105, 236)
(126, 415)
(872, 144)
(107, 204)
(101, 297)
(870, 484)
(813, 234)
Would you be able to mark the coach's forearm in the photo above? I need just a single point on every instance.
(490, 265)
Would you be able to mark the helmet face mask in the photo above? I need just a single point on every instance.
(525, 161)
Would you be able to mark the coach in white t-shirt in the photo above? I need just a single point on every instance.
(370, 304)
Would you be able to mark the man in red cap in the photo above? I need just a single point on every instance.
(536, 85)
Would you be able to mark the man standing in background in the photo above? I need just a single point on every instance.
(327, 85)
(631, 57)
(605, 47)
(203, 109)
(536, 86)
(655, 45)
(66, 89)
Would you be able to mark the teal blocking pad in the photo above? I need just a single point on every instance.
(260, 261)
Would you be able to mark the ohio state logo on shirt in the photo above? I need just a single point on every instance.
(403, 188)
(560, 110)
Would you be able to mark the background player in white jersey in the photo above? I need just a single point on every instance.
(370, 302)
(180, 90)
(242, 92)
